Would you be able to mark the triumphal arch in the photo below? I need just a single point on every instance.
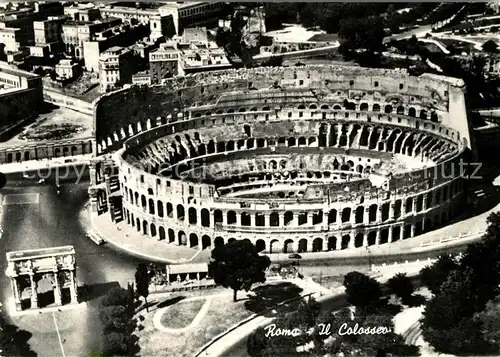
(43, 277)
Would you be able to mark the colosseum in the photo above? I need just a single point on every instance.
(295, 159)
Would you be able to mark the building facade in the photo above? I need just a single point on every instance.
(116, 67)
(163, 62)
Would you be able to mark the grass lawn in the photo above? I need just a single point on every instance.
(222, 314)
(181, 314)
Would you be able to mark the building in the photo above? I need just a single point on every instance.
(75, 34)
(124, 35)
(47, 31)
(186, 272)
(66, 69)
(220, 156)
(11, 37)
(142, 78)
(40, 276)
(82, 13)
(21, 94)
(193, 14)
(188, 54)
(199, 57)
(116, 67)
(163, 62)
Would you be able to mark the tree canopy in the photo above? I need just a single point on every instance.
(461, 317)
(361, 289)
(238, 265)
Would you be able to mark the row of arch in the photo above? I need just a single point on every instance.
(165, 155)
(26, 155)
(346, 105)
(362, 214)
(348, 240)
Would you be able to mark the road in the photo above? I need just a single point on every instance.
(51, 220)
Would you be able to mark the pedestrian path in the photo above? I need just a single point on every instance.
(128, 239)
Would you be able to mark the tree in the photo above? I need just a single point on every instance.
(114, 318)
(116, 313)
(436, 274)
(142, 282)
(114, 344)
(401, 286)
(237, 265)
(361, 290)
(489, 319)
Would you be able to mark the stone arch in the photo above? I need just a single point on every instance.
(205, 242)
(182, 238)
(260, 245)
(193, 240)
(192, 219)
(363, 107)
(218, 241)
(372, 237)
(288, 246)
(372, 213)
(152, 228)
(161, 231)
(346, 241)
(274, 246)
(231, 217)
(302, 245)
(400, 110)
(376, 107)
(332, 216)
(151, 203)
(205, 218)
(171, 235)
(180, 212)
(346, 214)
(332, 243)
(144, 227)
(317, 245)
(358, 240)
(412, 112)
(359, 215)
(160, 208)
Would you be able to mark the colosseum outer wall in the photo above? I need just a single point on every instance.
(332, 216)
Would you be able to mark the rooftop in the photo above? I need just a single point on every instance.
(39, 253)
(187, 268)
(6, 68)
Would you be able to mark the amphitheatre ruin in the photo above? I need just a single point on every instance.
(294, 159)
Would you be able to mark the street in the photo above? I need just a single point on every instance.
(36, 217)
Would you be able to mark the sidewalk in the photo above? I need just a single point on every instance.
(44, 164)
(126, 238)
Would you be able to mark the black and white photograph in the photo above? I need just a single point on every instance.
(249, 179)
